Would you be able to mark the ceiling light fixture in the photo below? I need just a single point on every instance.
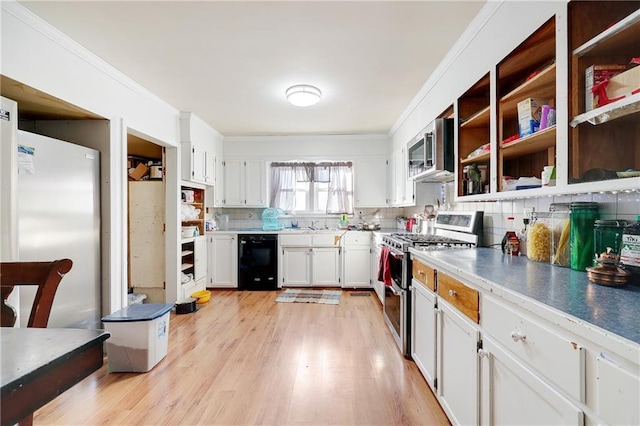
(303, 95)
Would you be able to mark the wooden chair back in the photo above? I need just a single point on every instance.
(45, 275)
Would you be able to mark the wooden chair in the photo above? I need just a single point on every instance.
(45, 275)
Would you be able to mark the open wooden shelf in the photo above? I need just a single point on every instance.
(479, 119)
(612, 111)
(186, 266)
(617, 38)
(482, 158)
(543, 85)
(539, 141)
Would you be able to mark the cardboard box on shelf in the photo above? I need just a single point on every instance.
(139, 172)
(595, 75)
(529, 112)
(624, 83)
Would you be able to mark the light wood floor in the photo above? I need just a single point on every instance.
(243, 359)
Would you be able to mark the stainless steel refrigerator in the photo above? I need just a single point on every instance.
(58, 198)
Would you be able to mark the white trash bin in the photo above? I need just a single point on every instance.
(139, 337)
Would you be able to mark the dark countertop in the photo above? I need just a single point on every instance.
(612, 309)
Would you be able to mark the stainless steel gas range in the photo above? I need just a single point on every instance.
(452, 230)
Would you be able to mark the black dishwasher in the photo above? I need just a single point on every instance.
(257, 262)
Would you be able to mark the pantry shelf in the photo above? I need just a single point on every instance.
(612, 111)
(481, 158)
(479, 119)
(617, 38)
(539, 141)
(543, 85)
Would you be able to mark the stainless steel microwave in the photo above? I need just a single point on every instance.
(431, 154)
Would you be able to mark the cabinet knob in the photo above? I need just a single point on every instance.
(452, 293)
(482, 353)
(420, 272)
(518, 336)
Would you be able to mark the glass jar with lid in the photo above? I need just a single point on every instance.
(560, 226)
(583, 218)
(539, 237)
(607, 238)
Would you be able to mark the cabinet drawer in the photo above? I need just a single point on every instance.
(325, 240)
(295, 240)
(357, 238)
(557, 358)
(465, 299)
(424, 274)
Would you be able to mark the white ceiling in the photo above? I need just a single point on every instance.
(231, 62)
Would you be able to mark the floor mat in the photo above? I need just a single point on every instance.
(329, 297)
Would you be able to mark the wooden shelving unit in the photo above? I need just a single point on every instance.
(198, 203)
(607, 137)
(474, 118)
(529, 71)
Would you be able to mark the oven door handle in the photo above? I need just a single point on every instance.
(396, 254)
(397, 291)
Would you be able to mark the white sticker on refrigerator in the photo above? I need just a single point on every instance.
(25, 160)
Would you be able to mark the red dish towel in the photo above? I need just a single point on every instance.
(384, 271)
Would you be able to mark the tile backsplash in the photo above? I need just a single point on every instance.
(623, 205)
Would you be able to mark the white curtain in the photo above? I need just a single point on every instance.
(338, 175)
(340, 197)
(283, 186)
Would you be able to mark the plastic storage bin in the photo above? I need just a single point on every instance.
(139, 337)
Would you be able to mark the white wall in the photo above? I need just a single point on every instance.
(312, 148)
(38, 55)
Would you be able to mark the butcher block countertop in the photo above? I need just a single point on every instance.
(564, 296)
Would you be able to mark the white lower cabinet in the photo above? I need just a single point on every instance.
(617, 393)
(222, 268)
(296, 266)
(559, 359)
(356, 260)
(357, 268)
(513, 394)
(457, 366)
(423, 331)
(325, 266)
(500, 363)
(311, 266)
(309, 260)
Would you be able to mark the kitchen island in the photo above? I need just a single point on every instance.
(540, 337)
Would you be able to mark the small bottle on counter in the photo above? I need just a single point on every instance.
(511, 242)
(630, 251)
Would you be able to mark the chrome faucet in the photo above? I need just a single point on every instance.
(313, 224)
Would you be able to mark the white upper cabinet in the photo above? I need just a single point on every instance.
(200, 147)
(402, 189)
(371, 183)
(245, 183)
